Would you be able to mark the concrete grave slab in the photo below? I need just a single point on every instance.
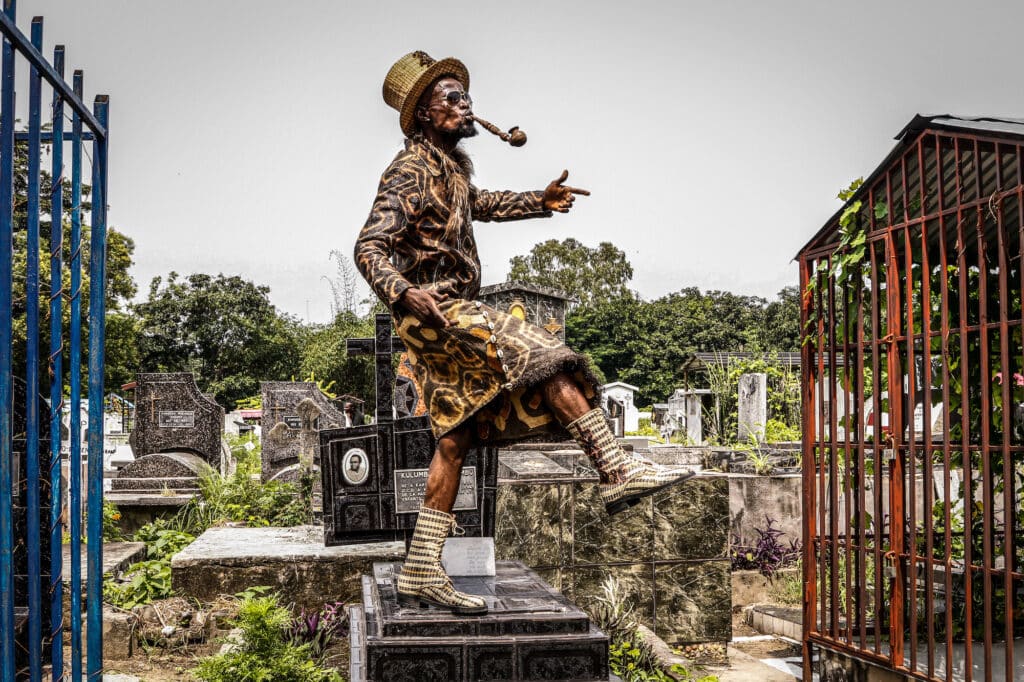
(292, 560)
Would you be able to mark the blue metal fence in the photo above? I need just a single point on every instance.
(32, 505)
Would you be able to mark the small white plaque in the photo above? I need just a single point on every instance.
(468, 556)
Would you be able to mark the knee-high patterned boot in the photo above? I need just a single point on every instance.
(625, 477)
(422, 580)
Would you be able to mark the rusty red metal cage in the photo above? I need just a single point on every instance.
(913, 410)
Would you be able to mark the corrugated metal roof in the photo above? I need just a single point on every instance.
(997, 125)
(990, 124)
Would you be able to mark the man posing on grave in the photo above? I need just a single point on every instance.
(485, 376)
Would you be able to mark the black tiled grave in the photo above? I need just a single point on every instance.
(366, 503)
(531, 632)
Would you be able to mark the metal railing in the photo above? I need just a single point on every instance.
(32, 504)
(913, 409)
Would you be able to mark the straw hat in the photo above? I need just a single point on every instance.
(410, 76)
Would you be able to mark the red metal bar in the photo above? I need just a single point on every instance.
(858, 400)
(965, 424)
(823, 280)
(833, 468)
(1007, 399)
(926, 411)
(908, 549)
(944, 326)
(897, 594)
(807, 473)
(878, 438)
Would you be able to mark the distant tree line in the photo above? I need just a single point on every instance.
(644, 343)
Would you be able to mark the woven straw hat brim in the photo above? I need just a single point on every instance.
(449, 66)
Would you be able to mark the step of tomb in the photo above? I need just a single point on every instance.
(519, 602)
(531, 632)
(178, 484)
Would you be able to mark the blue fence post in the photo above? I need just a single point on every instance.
(7, 665)
(75, 371)
(32, 506)
(97, 334)
(56, 372)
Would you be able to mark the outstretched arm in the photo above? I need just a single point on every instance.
(499, 206)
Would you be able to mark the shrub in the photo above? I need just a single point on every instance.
(768, 555)
(264, 655)
(148, 580)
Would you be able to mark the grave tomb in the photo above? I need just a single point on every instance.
(293, 412)
(176, 440)
(531, 632)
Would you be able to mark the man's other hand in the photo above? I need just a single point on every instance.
(559, 197)
(423, 304)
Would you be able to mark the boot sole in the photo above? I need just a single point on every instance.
(417, 602)
(619, 506)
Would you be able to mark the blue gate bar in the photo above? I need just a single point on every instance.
(97, 335)
(56, 373)
(35, 602)
(7, 667)
(24, 46)
(75, 371)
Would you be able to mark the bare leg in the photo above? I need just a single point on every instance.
(625, 478)
(564, 398)
(446, 468)
(422, 580)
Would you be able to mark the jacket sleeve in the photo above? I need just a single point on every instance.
(383, 230)
(502, 205)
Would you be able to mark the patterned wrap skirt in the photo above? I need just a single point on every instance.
(486, 369)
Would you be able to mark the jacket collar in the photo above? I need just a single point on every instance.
(430, 155)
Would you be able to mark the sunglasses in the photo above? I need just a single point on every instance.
(453, 97)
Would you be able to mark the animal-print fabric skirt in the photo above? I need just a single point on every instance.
(487, 367)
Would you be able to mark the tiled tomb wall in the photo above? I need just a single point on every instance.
(669, 553)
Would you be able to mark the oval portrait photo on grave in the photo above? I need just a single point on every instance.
(355, 466)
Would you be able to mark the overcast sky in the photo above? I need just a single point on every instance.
(248, 136)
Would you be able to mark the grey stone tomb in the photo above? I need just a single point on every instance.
(753, 406)
(176, 440)
(293, 413)
(542, 306)
(171, 415)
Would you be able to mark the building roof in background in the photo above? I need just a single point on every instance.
(700, 361)
(523, 286)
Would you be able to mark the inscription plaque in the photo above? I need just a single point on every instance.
(292, 421)
(176, 419)
(411, 487)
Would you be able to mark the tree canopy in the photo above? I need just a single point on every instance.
(223, 329)
(590, 275)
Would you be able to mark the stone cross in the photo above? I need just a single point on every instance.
(381, 346)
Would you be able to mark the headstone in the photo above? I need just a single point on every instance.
(621, 394)
(374, 476)
(542, 306)
(753, 406)
(530, 632)
(685, 413)
(293, 412)
(172, 415)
